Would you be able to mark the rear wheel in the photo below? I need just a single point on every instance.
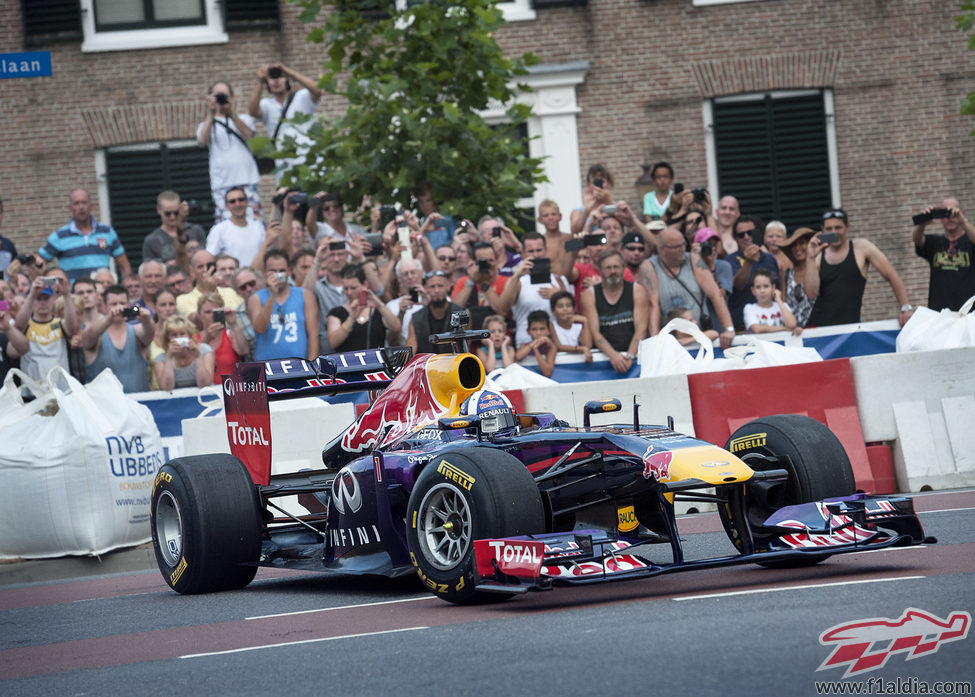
(818, 465)
(462, 496)
(206, 524)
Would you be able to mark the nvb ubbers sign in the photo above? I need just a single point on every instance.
(25, 64)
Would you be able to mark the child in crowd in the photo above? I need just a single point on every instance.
(683, 337)
(541, 344)
(769, 313)
(572, 335)
(497, 350)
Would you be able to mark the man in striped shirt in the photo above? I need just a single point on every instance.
(84, 245)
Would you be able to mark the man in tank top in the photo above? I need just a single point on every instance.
(838, 275)
(616, 311)
(111, 342)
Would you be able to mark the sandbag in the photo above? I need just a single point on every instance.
(76, 467)
(927, 330)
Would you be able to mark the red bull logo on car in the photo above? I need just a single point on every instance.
(657, 464)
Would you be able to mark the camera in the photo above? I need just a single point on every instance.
(574, 245)
(219, 316)
(194, 206)
(414, 295)
(829, 237)
(221, 99)
(460, 319)
(375, 240)
(598, 182)
(298, 197)
(183, 341)
(26, 259)
(212, 266)
(386, 214)
(280, 276)
(594, 239)
(934, 214)
(131, 312)
(484, 265)
(496, 231)
(700, 194)
(275, 72)
(610, 209)
(49, 280)
(678, 188)
(541, 271)
(707, 249)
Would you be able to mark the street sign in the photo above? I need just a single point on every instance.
(25, 64)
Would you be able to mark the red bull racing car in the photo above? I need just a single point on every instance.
(442, 478)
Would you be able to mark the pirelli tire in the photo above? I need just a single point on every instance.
(205, 517)
(462, 496)
(816, 460)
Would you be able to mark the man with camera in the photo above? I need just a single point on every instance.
(837, 275)
(616, 311)
(745, 261)
(324, 280)
(225, 133)
(203, 272)
(168, 241)
(480, 290)
(239, 237)
(949, 254)
(285, 317)
(521, 296)
(47, 333)
(111, 342)
(432, 318)
(284, 104)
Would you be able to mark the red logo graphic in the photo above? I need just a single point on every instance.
(917, 632)
(657, 465)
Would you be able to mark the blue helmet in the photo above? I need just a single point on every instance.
(495, 411)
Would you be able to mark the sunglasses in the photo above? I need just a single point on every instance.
(170, 214)
(236, 200)
(634, 247)
(430, 274)
(740, 235)
(331, 207)
(834, 214)
(447, 258)
(245, 286)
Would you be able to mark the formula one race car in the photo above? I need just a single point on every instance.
(442, 478)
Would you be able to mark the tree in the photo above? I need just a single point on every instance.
(965, 23)
(415, 80)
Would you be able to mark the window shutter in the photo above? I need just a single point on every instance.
(136, 177)
(48, 21)
(772, 157)
(542, 4)
(252, 14)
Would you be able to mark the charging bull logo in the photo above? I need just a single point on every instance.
(916, 632)
(405, 406)
(657, 464)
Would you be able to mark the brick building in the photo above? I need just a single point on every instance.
(792, 105)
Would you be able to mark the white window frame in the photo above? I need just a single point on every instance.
(704, 3)
(513, 11)
(832, 154)
(212, 32)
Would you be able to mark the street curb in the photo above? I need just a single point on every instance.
(128, 560)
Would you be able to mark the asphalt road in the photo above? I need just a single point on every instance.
(739, 630)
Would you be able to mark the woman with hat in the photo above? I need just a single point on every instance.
(796, 248)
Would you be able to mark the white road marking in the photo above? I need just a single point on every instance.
(948, 510)
(889, 549)
(792, 588)
(340, 607)
(296, 643)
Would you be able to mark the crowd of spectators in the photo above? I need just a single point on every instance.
(301, 277)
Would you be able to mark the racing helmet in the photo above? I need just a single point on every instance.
(496, 412)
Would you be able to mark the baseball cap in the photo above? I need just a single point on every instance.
(704, 234)
(633, 238)
(657, 226)
(47, 290)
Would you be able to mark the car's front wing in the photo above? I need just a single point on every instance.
(834, 526)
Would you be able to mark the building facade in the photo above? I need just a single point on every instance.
(791, 105)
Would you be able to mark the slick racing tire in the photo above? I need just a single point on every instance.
(462, 496)
(205, 518)
(819, 469)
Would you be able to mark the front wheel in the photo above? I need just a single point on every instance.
(819, 469)
(462, 496)
(206, 524)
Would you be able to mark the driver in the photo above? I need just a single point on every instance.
(497, 414)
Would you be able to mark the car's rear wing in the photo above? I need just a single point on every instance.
(247, 393)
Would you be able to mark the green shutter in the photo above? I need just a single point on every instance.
(252, 14)
(772, 156)
(135, 178)
(48, 21)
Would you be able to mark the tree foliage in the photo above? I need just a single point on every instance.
(415, 80)
(965, 23)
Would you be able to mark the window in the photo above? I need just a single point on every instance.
(117, 25)
(134, 176)
(775, 152)
(48, 21)
(513, 10)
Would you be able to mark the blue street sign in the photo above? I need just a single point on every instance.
(25, 64)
